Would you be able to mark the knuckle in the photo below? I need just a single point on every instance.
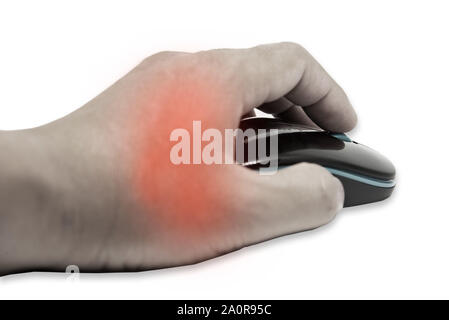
(224, 65)
(159, 56)
(217, 59)
(163, 54)
(282, 49)
(293, 47)
(291, 44)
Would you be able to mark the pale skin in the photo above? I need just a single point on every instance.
(66, 195)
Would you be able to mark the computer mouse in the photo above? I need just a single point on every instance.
(366, 175)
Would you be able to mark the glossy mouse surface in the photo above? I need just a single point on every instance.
(366, 175)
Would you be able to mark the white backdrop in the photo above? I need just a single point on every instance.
(392, 58)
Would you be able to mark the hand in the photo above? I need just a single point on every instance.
(97, 189)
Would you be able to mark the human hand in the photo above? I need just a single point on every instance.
(97, 189)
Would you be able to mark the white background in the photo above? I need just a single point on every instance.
(392, 57)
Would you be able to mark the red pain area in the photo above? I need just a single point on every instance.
(189, 199)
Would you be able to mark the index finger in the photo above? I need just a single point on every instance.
(268, 72)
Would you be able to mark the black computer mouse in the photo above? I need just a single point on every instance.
(366, 175)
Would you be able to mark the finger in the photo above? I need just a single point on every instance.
(250, 114)
(296, 114)
(328, 106)
(268, 72)
(284, 109)
(297, 198)
(277, 106)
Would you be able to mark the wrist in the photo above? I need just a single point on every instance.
(27, 191)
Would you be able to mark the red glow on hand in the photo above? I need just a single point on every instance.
(189, 199)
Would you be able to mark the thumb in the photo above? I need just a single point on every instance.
(298, 198)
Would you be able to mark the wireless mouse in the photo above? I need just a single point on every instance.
(366, 175)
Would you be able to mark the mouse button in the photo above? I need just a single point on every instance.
(309, 147)
(308, 140)
(295, 127)
(363, 160)
(274, 123)
(259, 123)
